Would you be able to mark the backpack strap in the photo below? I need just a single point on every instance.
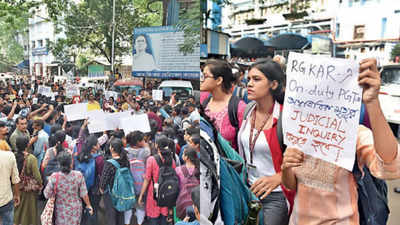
(233, 111)
(114, 162)
(206, 101)
(279, 133)
(248, 108)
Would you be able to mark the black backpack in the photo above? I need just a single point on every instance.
(168, 185)
(233, 106)
(232, 110)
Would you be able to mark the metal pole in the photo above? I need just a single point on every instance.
(113, 35)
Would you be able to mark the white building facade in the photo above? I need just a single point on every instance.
(41, 33)
(357, 28)
(367, 28)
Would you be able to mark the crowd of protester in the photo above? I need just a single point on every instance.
(43, 156)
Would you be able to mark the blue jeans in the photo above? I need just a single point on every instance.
(275, 209)
(7, 213)
(161, 220)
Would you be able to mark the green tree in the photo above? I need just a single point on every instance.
(190, 23)
(88, 25)
(395, 51)
(14, 28)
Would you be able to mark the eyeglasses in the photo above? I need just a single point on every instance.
(203, 77)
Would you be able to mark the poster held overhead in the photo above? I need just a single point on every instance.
(157, 95)
(135, 122)
(322, 107)
(76, 111)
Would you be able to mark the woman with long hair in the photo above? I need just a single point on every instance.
(113, 217)
(89, 157)
(157, 215)
(258, 142)
(189, 177)
(49, 164)
(218, 80)
(26, 212)
(71, 189)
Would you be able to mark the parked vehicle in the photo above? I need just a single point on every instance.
(389, 95)
(183, 88)
(130, 85)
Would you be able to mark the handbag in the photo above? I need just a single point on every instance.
(47, 217)
(29, 183)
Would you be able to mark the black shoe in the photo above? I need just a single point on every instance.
(397, 190)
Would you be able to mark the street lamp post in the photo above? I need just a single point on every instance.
(113, 35)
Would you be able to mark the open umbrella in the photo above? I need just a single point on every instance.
(287, 41)
(250, 47)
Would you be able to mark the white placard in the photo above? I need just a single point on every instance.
(72, 90)
(115, 118)
(98, 121)
(157, 95)
(43, 90)
(322, 107)
(135, 122)
(76, 111)
(109, 94)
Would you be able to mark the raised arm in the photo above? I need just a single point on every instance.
(385, 142)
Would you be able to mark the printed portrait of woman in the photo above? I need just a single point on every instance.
(143, 58)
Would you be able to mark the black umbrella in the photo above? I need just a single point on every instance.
(250, 47)
(287, 41)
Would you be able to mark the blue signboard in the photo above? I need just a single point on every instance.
(156, 54)
(40, 51)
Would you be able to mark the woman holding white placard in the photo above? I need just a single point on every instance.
(326, 193)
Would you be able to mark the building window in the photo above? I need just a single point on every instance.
(337, 30)
(40, 43)
(33, 45)
(384, 20)
(359, 32)
(47, 43)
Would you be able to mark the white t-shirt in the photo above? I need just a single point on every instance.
(8, 175)
(262, 158)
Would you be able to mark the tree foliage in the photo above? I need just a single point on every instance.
(190, 23)
(14, 16)
(395, 51)
(88, 25)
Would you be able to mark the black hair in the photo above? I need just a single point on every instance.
(39, 122)
(272, 71)
(196, 139)
(85, 155)
(51, 117)
(134, 137)
(20, 118)
(116, 144)
(59, 137)
(119, 134)
(191, 153)
(75, 132)
(53, 130)
(21, 144)
(185, 111)
(164, 145)
(192, 130)
(221, 68)
(65, 161)
(169, 132)
(195, 195)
